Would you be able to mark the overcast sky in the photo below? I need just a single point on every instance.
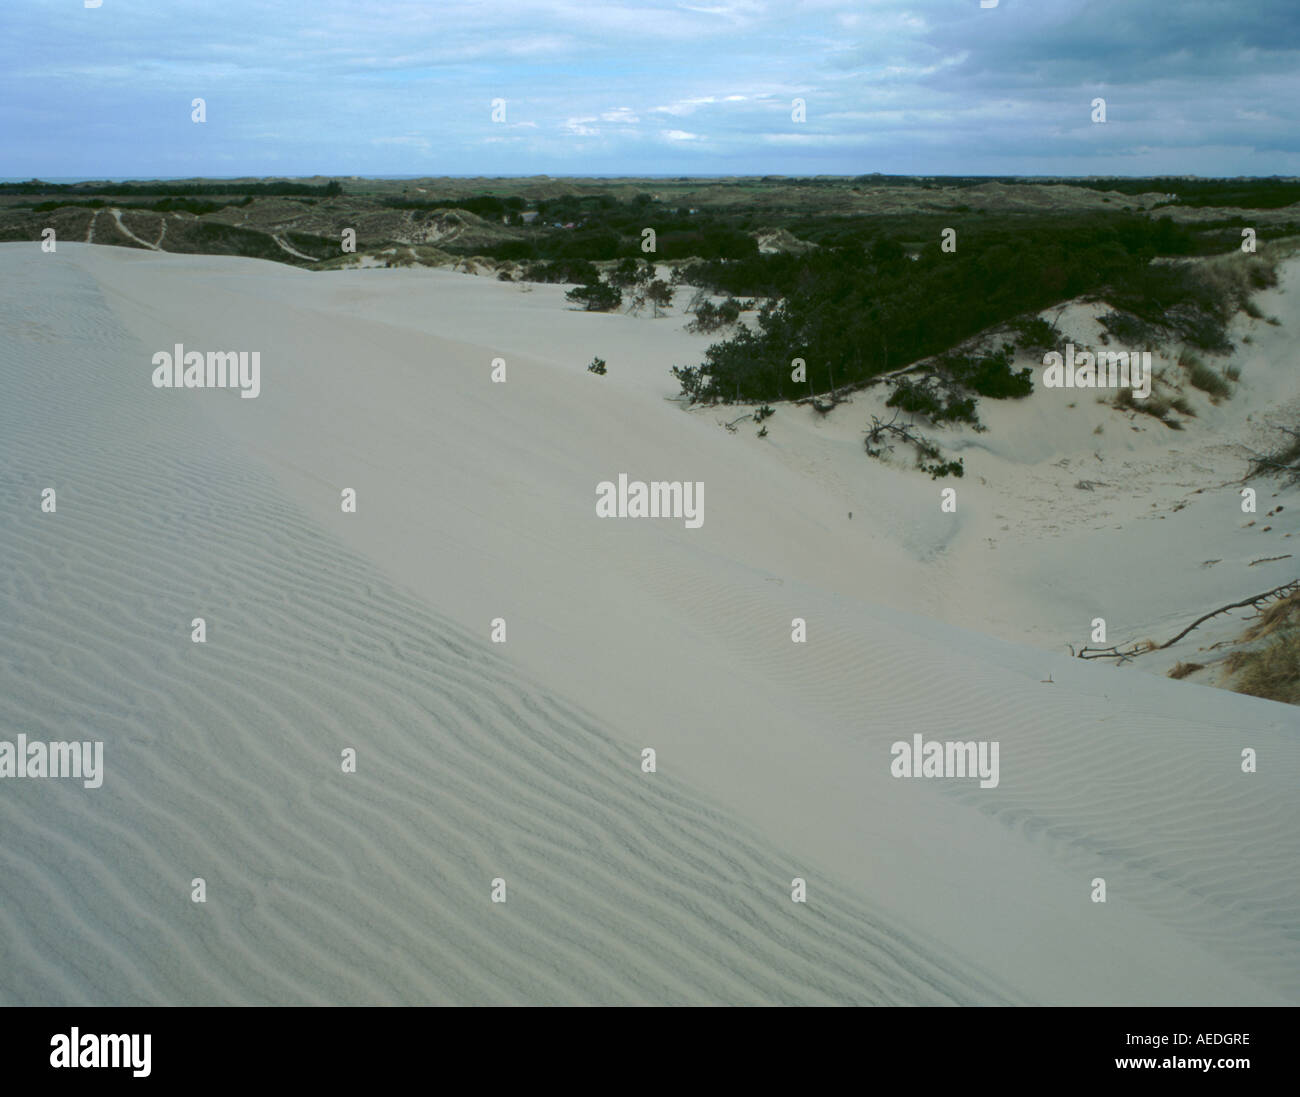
(696, 87)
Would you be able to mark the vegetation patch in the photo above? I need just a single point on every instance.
(1271, 671)
(1201, 376)
(883, 437)
(861, 304)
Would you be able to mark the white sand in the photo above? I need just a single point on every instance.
(476, 500)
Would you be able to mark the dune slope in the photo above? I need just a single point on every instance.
(522, 760)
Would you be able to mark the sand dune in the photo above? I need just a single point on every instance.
(479, 760)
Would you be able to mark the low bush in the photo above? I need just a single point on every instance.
(596, 297)
(1208, 380)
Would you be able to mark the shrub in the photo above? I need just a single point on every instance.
(1206, 379)
(943, 395)
(597, 297)
(579, 271)
(692, 381)
(1262, 275)
(990, 375)
(710, 317)
(939, 406)
(660, 294)
(597, 366)
(1158, 407)
(1128, 328)
(706, 318)
(1035, 333)
(944, 468)
(1194, 301)
(881, 438)
(626, 274)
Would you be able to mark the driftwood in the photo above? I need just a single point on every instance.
(1112, 652)
(1258, 601)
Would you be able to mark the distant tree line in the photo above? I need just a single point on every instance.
(1266, 193)
(601, 227)
(1240, 193)
(36, 186)
(164, 205)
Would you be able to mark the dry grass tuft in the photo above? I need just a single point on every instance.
(1284, 613)
(1272, 671)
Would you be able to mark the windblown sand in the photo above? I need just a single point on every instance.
(521, 760)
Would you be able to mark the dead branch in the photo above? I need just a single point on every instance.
(904, 433)
(1258, 601)
(1262, 461)
(823, 402)
(1113, 652)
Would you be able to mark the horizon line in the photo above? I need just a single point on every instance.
(66, 179)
